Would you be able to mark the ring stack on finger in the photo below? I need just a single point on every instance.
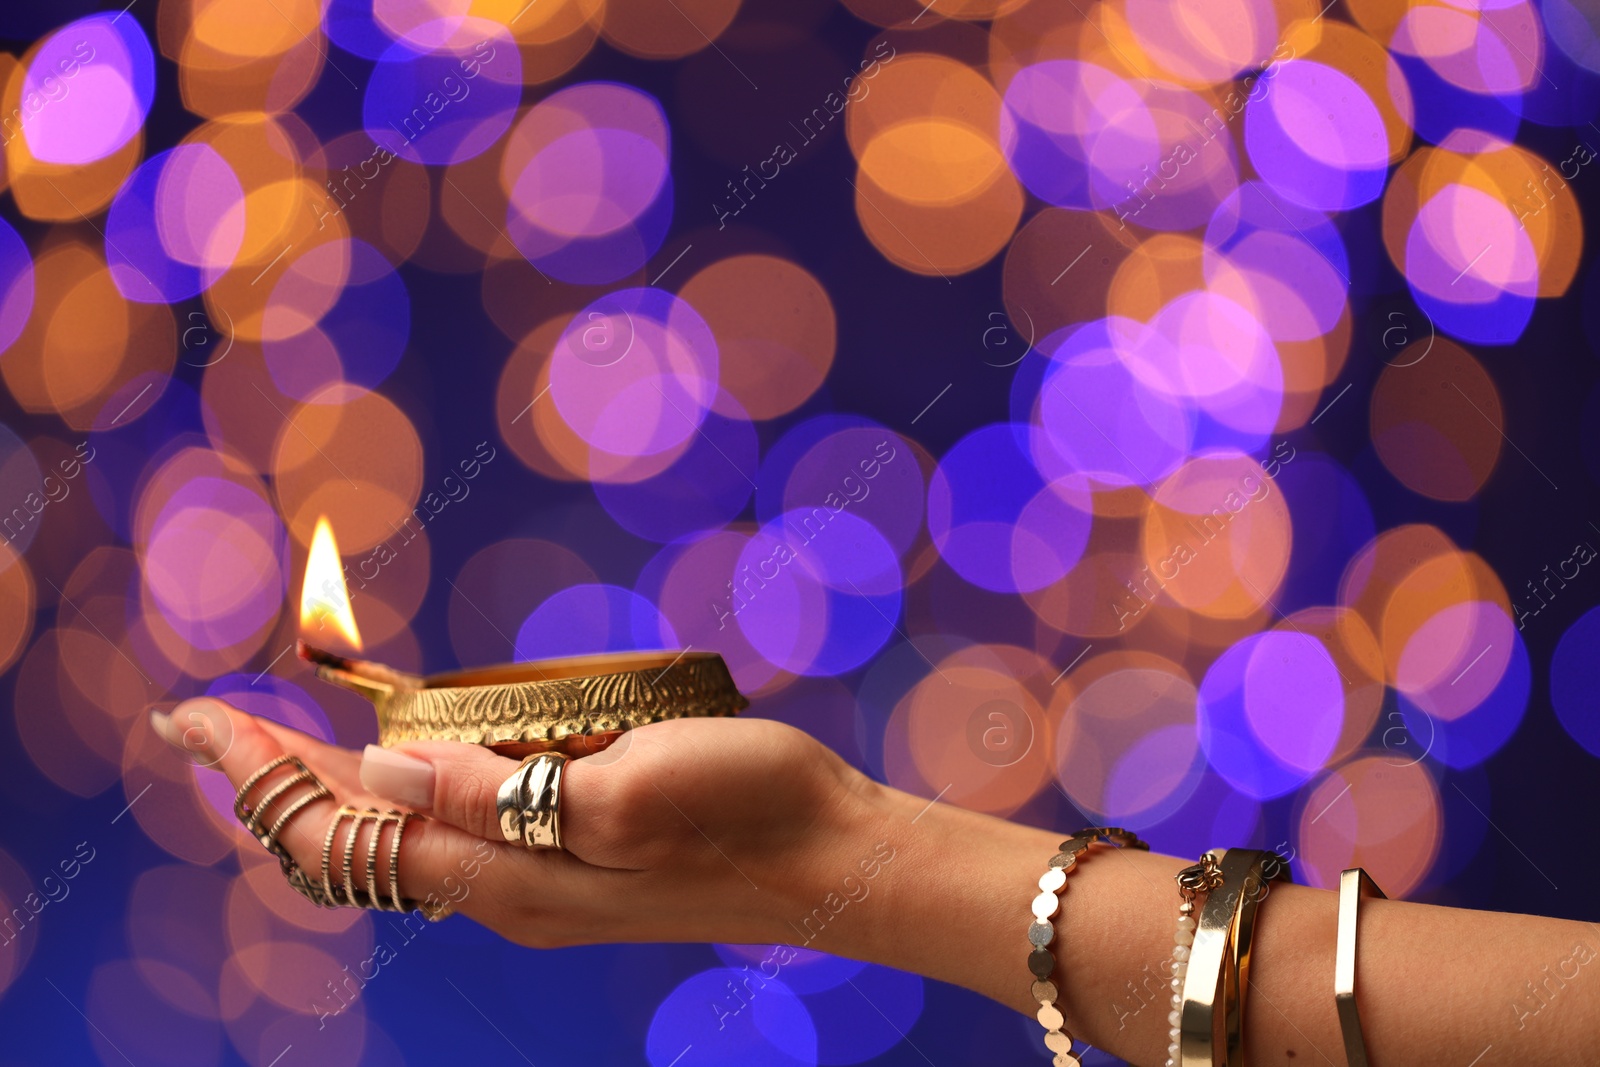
(281, 790)
(384, 896)
(529, 802)
(287, 794)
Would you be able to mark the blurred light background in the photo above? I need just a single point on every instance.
(1175, 414)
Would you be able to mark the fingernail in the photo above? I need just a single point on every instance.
(161, 723)
(200, 726)
(396, 777)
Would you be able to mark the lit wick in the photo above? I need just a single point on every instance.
(324, 605)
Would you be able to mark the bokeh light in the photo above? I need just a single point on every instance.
(445, 91)
(769, 1028)
(1572, 675)
(1157, 413)
(1375, 814)
(996, 522)
(592, 618)
(98, 76)
(587, 175)
(775, 330)
(1271, 710)
(1127, 747)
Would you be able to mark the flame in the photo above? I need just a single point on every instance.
(324, 598)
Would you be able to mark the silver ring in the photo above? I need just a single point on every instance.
(541, 819)
(528, 802)
(508, 803)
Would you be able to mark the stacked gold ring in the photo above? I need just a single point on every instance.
(252, 814)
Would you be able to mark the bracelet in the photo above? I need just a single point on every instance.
(1218, 964)
(1203, 877)
(1354, 884)
(1041, 931)
(1269, 867)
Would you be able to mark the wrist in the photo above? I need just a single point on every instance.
(947, 893)
(952, 904)
(957, 909)
(832, 891)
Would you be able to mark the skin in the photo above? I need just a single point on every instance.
(737, 830)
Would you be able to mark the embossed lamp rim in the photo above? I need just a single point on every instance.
(574, 704)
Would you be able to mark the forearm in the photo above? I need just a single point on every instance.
(1437, 985)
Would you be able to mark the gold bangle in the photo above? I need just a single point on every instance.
(1267, 867)
(1219, 963)
(1354, 884)
(1042, 931)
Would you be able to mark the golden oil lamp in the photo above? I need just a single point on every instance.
(576, 704)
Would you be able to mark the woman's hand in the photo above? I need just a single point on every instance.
(748, 831)
(717, 830)
(688, 830)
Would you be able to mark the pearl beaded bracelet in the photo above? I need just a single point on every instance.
(1192, 881)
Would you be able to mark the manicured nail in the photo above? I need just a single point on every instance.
(161, 723)
(396, 777)
(201, 727)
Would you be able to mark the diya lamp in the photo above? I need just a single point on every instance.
(574, 705)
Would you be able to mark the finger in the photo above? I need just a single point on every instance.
(339, 768)
(443, 868)
(206, 723)
(434, 861)
(544, 898)
(201, 728)
(459, 784)
(216, 735)
(437, 863)
(454, 782)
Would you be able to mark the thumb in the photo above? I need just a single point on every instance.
(451, 781)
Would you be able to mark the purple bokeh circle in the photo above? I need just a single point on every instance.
(450, 102)
(88, 90)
